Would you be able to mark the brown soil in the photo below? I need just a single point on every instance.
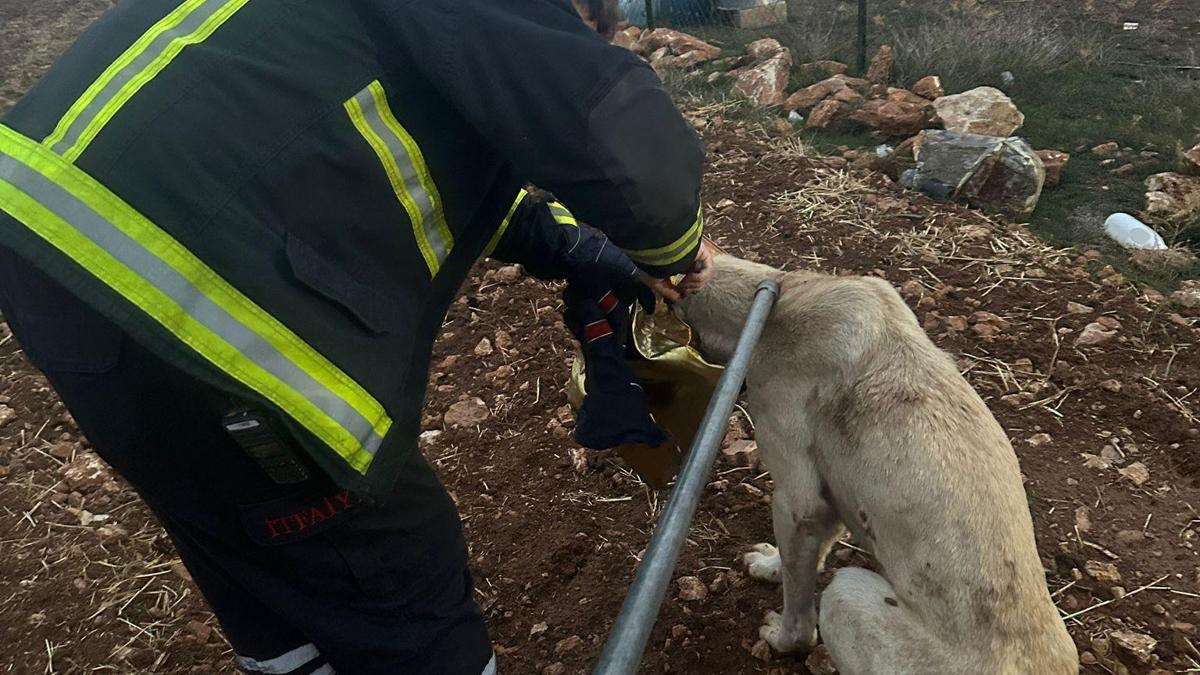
(89, 582)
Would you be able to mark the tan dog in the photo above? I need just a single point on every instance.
(863, 421)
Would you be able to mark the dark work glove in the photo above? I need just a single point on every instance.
(615, 411)
(592, 259)
(560, 248)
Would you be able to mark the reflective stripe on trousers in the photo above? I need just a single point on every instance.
(284, 663)
(145, 265)
(406, 171)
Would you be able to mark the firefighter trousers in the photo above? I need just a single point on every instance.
(306, 578)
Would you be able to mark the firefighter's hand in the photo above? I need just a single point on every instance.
(692, 282)
(702, 270)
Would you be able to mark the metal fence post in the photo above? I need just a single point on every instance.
(650, 14)
(862, 37)
(623, 652)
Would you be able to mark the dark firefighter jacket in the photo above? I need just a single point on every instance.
(283, 196)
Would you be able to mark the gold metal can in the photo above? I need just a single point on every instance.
(678, 384)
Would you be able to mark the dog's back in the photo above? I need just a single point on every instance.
(914, 465)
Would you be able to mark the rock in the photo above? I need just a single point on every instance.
(983, 110)
(765, 83)
(567, 645)
(508, 274)
(848, 96)
(719, 584)
(556, 668)
(1039, 439)
(468, 413)
(803, 99)
(1130, 537)
(896, 116)
(1138, 645)
(201, 630)
(1192, 159)
(929, 88)
(86, 473)
(1102, 571)
(484, 348)
(1175, 259)
(1109, 322)
(1054, 161)
(742, 453)
(427, 439)
(499, 375)
(820, 662)
(1136, 473)
(1088, 659)
(629, 39)
(1077, 308)
(7, 415)
(691, 589)
(957, 323)
(1188, 295)
(1172, 196)
(1111, 385)
(761, 651)
(538, 629)
(825, 112)
(676, 42)
(1083, 519)
(825, 69)
(760, 15)
(1094, 334)
(761, 50)
(881, 65)
(856, 83)
(1107, 149)
(504, 341)
(1002, 175)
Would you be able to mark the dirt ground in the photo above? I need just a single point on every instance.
(1107, 436)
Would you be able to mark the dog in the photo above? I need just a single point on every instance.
(864, 423)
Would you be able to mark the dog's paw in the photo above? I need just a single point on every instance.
(784, 640)
(762, 562)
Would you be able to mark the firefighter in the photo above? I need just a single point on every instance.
(229, 234)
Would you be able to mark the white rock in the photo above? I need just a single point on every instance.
(983, 110)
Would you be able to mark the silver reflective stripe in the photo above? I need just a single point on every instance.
(282, 664)
(408, 173)
(324, 670)
(163, 277)
(490, 668)
(155, 49)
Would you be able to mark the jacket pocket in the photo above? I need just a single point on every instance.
(373, 309)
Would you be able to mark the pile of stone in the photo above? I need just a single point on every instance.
(667, 49)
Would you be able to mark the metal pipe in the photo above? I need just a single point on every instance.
(650, 14)
(623, 652)
(862, 37)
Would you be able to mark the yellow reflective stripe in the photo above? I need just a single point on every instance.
(675, 251)
(406, 170)
(332, 389)
(512, 210)
(418, 161)
(562, 215)
(139, 64)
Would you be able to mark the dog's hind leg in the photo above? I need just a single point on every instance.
(869, 632)
(805, 527)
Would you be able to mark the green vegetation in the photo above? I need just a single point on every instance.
(1076, 87)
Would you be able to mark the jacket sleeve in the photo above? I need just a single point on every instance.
(586, 120)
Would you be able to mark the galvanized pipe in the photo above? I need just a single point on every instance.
(623, 652)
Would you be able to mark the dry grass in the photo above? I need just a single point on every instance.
(970, 46)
